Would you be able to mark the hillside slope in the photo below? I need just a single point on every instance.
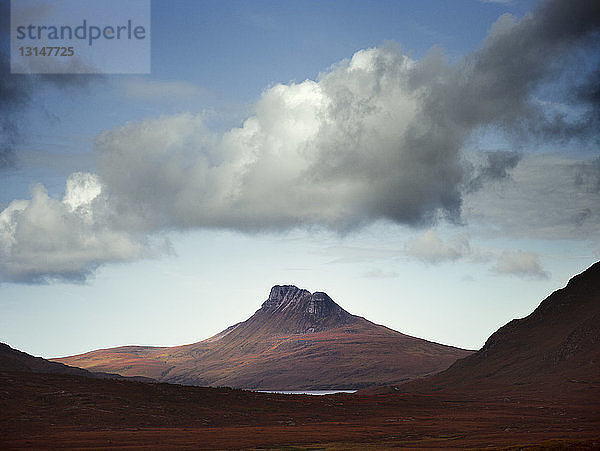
(555, 348)
(13, 360)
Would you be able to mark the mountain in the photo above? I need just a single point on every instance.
(554, 349)
(296, 340)
(12, 360)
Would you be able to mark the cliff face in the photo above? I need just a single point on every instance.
(281, 295)
(295, 340)
(299, 311)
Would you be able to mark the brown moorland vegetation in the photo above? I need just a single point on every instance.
(61, 411)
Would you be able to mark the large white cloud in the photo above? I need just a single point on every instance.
(43, 239)
(336, 152)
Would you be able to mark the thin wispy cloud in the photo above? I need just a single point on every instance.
(429, 248)
(520, 264)
(379, 273)
(549, 196)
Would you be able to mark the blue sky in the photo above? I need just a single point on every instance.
(432, 165)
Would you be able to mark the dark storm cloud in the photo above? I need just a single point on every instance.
(496, 84)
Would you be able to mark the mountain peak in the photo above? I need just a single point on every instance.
(302, 310)
(284, 294)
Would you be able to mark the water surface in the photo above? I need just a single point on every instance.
(306, 392)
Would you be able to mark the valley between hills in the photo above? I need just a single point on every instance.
(535, 384)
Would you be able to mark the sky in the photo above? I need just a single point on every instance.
(433, 166)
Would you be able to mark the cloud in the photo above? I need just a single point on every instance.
(495, 168)
(379, 273)
(334, 153)
(520, 264)
(520, 57)
(549, 196)
(429, 248)
(376, 137)
(45, 239)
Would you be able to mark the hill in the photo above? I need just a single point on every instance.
(13, 360)
(551, 352)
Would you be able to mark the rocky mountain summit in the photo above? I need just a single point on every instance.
(302, 311)
(296, 340)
